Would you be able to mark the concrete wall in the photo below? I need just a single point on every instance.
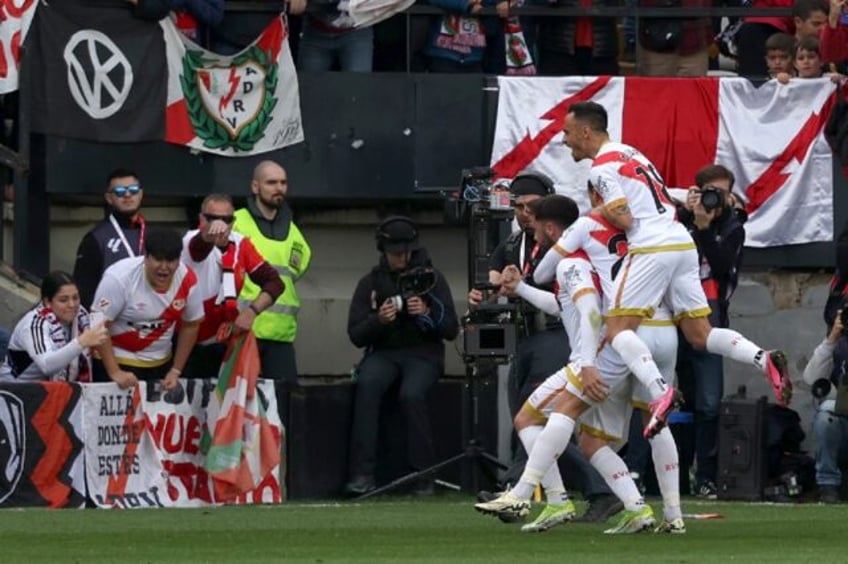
(774, 309)
(779, 310)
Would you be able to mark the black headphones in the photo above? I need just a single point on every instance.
(542, 179)
(383, 236)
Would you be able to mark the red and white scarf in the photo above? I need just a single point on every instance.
(79, 370)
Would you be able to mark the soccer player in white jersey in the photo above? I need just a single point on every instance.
(529, 421)
(143, 300)
(562, 395)
(662, 263)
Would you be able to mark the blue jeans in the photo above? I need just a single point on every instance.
(831, 435)
(319, 50)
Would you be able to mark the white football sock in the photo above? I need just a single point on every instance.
(638, 359)
(667, 468)
(615, 473)
(550, 443)
(730, 344)
(551, 481)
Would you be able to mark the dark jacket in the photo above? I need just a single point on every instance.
(508, 252)
(151, 10)
(99, 249)
(558, 34)
(419, 335)
(207, 12)
(720, 256)
(682, 36)
(277, 228)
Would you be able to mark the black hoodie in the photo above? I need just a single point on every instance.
(420, 335)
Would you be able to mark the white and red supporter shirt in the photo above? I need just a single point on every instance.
(143, 319)
(245, 260)
(624, 176)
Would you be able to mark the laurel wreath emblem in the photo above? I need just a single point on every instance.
(213, 133)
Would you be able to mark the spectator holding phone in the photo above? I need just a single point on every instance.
(53, 339)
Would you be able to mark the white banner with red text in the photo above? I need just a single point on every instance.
(143, 448)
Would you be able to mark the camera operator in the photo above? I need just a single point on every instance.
(401, 313)
(714, 218)
(825, 371)
(542, 347)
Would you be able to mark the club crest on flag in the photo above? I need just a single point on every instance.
(230, 107)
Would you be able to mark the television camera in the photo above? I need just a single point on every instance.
(489, 330)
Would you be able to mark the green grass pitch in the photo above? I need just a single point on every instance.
(442, 529)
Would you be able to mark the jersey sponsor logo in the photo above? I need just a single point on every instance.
(179, 304)
(145, 328)
(114, 245)
(102, 304)
(573, 278)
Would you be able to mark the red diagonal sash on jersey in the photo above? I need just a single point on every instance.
(134, 342)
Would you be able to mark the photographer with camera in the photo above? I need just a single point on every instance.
(827, 375)
(713, 218)
(401, 313)
(542, 347)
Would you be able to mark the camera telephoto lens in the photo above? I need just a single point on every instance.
(710, 199)
(820, 388)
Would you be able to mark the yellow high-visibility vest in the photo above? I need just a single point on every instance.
(290, 258)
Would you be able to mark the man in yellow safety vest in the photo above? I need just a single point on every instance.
(267, 221)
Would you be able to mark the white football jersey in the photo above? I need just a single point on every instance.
(624, 176)
(604, 246)
(144, 319)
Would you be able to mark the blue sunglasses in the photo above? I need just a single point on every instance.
(121, 191)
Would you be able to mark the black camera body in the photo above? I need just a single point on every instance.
(416, 281)
(490, 331)
(478, 195)
(711, 198)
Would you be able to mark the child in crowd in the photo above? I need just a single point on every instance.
(779, 50)
(808, 63)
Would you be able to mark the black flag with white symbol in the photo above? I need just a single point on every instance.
(96, 73)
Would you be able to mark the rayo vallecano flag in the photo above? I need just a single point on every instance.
(15, 19)
(237, 105)
(770, 136)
